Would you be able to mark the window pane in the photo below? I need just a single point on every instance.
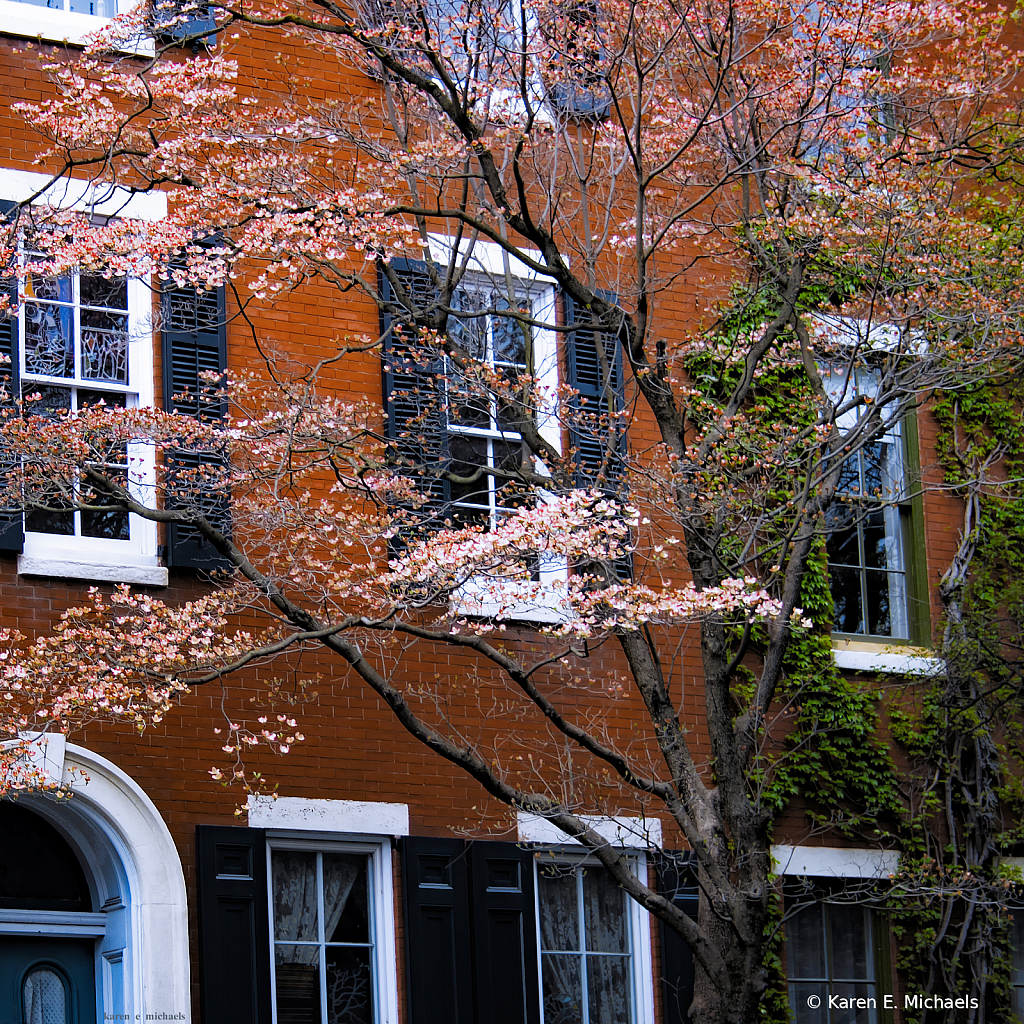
(104, 345)
(59, 289)
(559, 927)
(297, 980)
(851, 943)
(469, 334)
(44, 997)
(467, 407)
(853, 1016)
(346, 911)
(349, 985)
(95, 290)
(560, 977)
(49, 340)
(843, 547)
(468, 455)
(604, 913)
(798, 994)
(509, 341)
(845, 585)
(805, 945)
(876, 544)
(880, 587)
(608, 989)
(295, 898)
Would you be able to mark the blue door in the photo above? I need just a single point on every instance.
(47, 981)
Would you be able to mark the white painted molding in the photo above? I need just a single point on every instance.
(156, 969)
(350, 817)
(53, 922)
(58, 26)
(629, 833)
(888, 661)
(75, 193)
(834, 862)
(151, 576)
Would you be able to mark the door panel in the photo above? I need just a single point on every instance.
(72, 964)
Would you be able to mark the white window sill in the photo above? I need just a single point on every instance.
(863, 656)
(147, 575)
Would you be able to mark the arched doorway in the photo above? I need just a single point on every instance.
(92, 908)
(45, 979)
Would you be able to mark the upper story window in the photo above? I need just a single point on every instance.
(872, 526)
(81, 340)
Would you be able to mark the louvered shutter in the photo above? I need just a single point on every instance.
(194, 343)
(676, 880)
(234, 927)
(12, 523)
(439, 954)
(413, 393)
(598, 377)
(595, 378)
(504, 934)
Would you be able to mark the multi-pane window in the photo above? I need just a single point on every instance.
(867, 560)
(100, 8)
(74, 349)
(830, 951)
(324, 944)
(481, 430)
(585, 946)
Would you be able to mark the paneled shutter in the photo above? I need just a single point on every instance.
(439, 955)
(234, 929)
(676, 880)
(594, 381)
(194, 342)
(12, 523)
(413, 393)
(504, 934)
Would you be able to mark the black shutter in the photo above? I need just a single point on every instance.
(234, 928)
(504, 934)
(437, 938)
(413, 394)
(598, 377)
(12, 522)
(470, 927)
(194, 333)
(676, 880)
(595, 382)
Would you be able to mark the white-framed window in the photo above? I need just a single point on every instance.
(832, 960)
(868, 526)
(593, 945)
(83, 339)
(65, 20)
(332, 932)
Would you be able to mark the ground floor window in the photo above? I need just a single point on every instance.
(585, 946)
(325, 942)
(831, 951)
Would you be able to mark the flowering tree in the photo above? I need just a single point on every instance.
(820, 178)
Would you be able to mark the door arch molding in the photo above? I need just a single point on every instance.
(136, 879)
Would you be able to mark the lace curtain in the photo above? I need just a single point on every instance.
(44, 997)
(295, 898)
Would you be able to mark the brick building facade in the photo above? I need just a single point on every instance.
(355, 896)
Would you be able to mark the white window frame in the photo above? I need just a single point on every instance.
(540, 601)
(61, 26)
(382, 909)
(92, 558)
(638, 921)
